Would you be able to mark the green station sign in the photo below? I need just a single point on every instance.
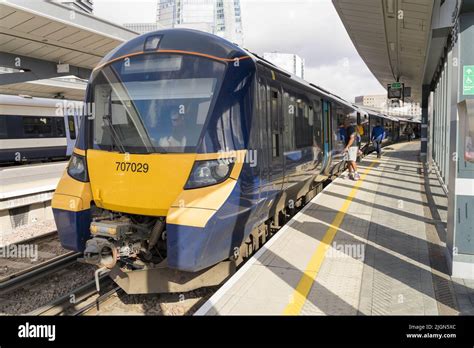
(396, 85)
(468, 80)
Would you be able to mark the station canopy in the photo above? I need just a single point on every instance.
(393, 38)
(44, 39)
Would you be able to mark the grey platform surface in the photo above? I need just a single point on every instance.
(380, 252)
(28, 179)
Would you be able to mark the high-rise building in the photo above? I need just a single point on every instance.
(219, 17)
(287, 61)
(79, 5)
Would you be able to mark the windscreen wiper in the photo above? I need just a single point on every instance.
(115, 136)
(113, 131)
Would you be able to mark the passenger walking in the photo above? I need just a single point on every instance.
(377, 136)
(351, 148)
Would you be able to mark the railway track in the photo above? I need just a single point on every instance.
(98, 301)
(30, 254)
(81, 300)
(36, 272)
(40, 238)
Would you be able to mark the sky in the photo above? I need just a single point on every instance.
(309, 28)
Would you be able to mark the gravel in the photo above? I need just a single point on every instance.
(25, 232)
(155, 304)
(45, 290)
(47, 247)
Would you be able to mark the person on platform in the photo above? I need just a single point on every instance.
(352, 149)
(377, 136)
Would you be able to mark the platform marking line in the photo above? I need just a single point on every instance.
(303, 288)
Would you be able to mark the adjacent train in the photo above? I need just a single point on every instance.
(36, 129)
(194, 152)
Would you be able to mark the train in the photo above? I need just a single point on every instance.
(37, 129)
(193, 153)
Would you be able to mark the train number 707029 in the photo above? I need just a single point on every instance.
(132, 167)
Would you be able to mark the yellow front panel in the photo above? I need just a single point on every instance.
(71, 194)
(210, 197)
(135, 192)
(66, 202)
(189, 216)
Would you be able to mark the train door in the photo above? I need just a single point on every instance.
(276, 141)
(327, 143)
(71, 122)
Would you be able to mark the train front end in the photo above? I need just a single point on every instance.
(147, 193)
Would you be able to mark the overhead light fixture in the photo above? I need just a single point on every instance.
(391, 6)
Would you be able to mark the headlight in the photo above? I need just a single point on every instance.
(77, 168)
(206, 173)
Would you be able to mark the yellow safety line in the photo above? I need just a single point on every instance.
(312, 269)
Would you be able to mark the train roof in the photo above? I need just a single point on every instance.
(298, 79)
(181, 39)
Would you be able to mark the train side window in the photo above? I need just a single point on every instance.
(303, 129)
(60, 127)
(3, 127)
(72, 127)
(37, 126)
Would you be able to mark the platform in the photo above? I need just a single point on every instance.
(29, 179)
(372, 247)
(25, 198)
